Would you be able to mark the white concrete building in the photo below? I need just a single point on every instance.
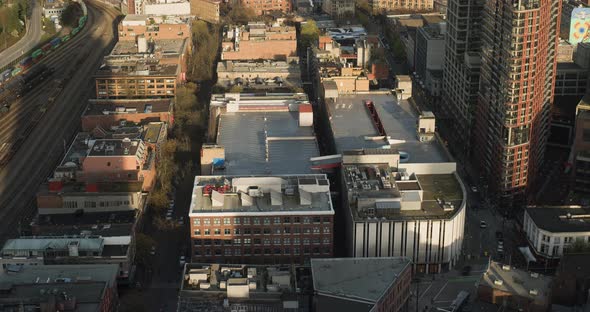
(399, 183)
(550, 230)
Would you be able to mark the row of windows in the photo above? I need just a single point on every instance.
(263, 251)
(93, 204)
(160, 80)
(257, 221)
(265, 231)
(258, 241)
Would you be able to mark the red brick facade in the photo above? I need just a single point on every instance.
(268, 239)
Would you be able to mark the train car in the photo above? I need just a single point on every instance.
(37, 55)
(46, 47)
(82, 21)
(5, 75)
(26, 63)
(55, 43)
(37, 74)
(16, 71)
(65, 38)
(75, 31)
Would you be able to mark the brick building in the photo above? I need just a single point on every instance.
(156, 27)
(109, 113)
(207, 10)
(259, 41)
(361, 284)
(64, 288)
(272, 219)
(384, 6)
(261, 7)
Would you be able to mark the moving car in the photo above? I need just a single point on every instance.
(483, 224)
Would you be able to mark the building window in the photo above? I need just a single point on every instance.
(326, 241)
(217, 221)
(544, 249)
(226, 221)
(227, 241)
(326, 219)
(286, 241)
(266, 231)
(267, 241)
(316, 219)
(217, 232)
(296, 220)
(556, 240)
(256, 221)
(207, 232)
(198, 242)
(197, 221)
(555, 251)
(326, 229)
(197, 232)
(217, 242)
(257, 241)
(306, 241)
(277, 241)
(226, 232)
(277, 220)
(237, 241)
(236, 231)
(247, 241)
(286, 220)
(266, 221)
(207, 221)
(306, 220)
(247, 231)
(316, 230)
(237, 221)
(246, 220)
(287, 230)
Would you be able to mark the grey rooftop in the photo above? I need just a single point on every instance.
(352, 127)
(302, 194)
(358, 278)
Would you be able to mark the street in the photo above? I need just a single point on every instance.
(29, 40)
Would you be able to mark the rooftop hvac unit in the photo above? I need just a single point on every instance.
(534, 275)
(499, 282)
(506, 267)
(533, 292)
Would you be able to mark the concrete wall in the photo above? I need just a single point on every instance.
(429, 168)
(180, 8)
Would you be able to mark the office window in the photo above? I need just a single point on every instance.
(226, 221)
(226, 232)
(217, 232)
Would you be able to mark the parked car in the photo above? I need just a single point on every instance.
(182, 261)
(153, 251)
(474, 189)
(483, 224)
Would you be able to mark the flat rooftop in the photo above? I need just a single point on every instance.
(103, 224)
(143, 20)
(98, 189)
(221, 287)
(561, 218)
(383, 193)
(287, 194)
(354, 129)
(517, 282)
(258, 66)
(116, 107)
(366, 279)
(138, 68)
(161, 48)
(75, 272)
(28, 297)
(262, 134)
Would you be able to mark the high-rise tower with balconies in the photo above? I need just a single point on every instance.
(518, 64)
(460, 74)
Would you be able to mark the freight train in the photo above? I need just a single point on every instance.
(20, 85)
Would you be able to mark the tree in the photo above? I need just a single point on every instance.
(69, 16)
(143, 247)
(159, 199)
(238, 14)
(310, 34)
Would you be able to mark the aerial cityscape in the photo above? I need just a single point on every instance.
(294, 155)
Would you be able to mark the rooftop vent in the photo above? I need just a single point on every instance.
(534, 275)
(506, 267)
(533, 292)
(499, 282)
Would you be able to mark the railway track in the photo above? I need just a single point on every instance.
(21, 108)
(41, 150)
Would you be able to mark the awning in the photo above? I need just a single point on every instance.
(528, 255)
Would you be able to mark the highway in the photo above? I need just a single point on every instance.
(41, 145)
(29, 40)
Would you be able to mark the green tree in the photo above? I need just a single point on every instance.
(238, 14)
(310, 33)
(69, 16)
(143, 246)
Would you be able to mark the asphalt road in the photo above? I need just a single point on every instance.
(42, 148)
(29, 40)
